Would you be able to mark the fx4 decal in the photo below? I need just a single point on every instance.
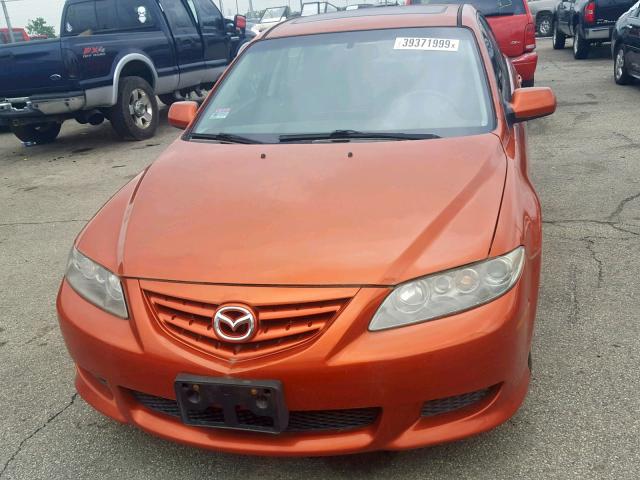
(90, 52)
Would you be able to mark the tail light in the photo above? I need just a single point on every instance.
(241, 22)
(530, 38)
(590, 13)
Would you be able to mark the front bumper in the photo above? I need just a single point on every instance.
(17, 109)
(526, 65)
(347, 367)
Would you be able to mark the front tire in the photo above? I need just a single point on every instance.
(135, 115)
(580, 47)
(559, 38)
(545, 25)
(38, 133)
(620, 73)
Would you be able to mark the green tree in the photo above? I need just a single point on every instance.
(39, 27)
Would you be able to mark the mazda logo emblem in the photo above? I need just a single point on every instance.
(234, 323)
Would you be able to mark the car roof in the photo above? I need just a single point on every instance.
(433, 15)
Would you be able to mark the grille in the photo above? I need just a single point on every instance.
(279, 326)
(449, 404)
(300, 421)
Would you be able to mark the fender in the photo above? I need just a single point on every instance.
(130, 57)
(107, 96)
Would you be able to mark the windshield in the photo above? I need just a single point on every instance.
(486, 7)
(410, 81)
(275, 13)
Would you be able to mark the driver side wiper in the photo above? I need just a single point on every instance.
(354, 134)
(223, 137)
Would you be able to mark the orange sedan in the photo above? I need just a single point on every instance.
(340, 254)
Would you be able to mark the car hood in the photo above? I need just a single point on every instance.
(374, 213)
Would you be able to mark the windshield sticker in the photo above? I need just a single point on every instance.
(416, 43)
(220, 113)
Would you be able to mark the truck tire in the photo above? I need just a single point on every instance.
(559, 38)
(545, 24)
(580, 46)
(38, 133)
(620, 73)
(135, 115)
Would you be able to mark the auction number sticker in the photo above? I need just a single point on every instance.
(417, 43)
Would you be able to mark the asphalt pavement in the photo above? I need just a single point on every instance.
(580, 419)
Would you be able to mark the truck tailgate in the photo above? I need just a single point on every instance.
(510, 33)
(32, 68)
(608, 11)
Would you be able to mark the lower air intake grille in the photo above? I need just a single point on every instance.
(449, 404)
(301, 421)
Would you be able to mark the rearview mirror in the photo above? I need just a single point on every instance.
(181, 114)
(529, 103)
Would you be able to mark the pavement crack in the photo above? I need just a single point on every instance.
(35, 432)
(590, 243)
(574, 313)
(623, 203)
(620, 227)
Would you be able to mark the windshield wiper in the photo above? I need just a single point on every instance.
(354, 134)
(223, 137)
(499, 14)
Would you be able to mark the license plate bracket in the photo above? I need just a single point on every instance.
(231, 403)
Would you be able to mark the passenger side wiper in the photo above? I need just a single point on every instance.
(223, 137)
(354, 134)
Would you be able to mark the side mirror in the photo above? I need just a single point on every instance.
(240, 21)
(529, 103)
(181, 114)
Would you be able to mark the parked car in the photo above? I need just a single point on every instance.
(513, 26)
(19, 35)
(625, 46)
(315, 8)
(271, 16)
(113, 58)
(587, 21)
(325, 263)
(543, 12)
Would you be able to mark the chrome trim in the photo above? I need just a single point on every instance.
(53, 106)
(596, 33)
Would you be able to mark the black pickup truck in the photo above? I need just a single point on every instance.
(113, 58)
(587, 21)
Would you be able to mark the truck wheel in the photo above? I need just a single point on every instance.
(580, 47)
(620, 73)
(135, 115)
(559, 38)
(545, 24)
(38, 133)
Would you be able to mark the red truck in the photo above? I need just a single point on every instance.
(513, 27)
(19, 35)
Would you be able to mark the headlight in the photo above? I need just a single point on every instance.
(446, 293)
(96, 284)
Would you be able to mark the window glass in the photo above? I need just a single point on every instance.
(486, 7)
(106, 16)
(210, 16)
(359, 80)
(135, 14)
(178, 17)
(81, 19)
(310, 9)
(331, 8)
(192, 7)
(500, 67)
